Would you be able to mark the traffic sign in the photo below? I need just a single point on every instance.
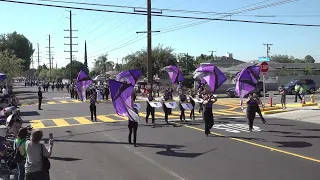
(264, 67)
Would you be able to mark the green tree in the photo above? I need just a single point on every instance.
(118, 67)
(76, 68)
(11, 65)
(102, 64)
(187, 64)
(20, 45)
(307, 70)
(204, 58)
(43, 74)
(309, 59)
(161, 57)
(85, 54)
(230, 76)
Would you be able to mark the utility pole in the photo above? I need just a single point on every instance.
(38, 55)
(50, 54)
(70, 45)
(212, 53)
(149, 35)
(268, 49)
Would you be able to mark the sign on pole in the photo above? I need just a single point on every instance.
(263, 59)
(264, 67)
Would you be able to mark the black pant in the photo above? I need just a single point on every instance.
(192, 114)
(93, 111)
(251, 114)
(133, 126)
(258, 110)
(40, 175)
(39, 103)
(296, 97)
(150, 111)
(182, 115)
(166, 112)
(200, 107)
(208, 123)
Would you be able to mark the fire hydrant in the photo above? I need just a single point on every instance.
(312, 98)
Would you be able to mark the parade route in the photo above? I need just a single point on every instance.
(283, 150)
(280, 149)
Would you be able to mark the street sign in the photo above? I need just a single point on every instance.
(263, 59)
(264, 67)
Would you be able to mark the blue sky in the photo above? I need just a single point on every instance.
(111, 33)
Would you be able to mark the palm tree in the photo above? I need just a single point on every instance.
(102, 65)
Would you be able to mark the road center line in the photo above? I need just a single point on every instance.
(254, 144)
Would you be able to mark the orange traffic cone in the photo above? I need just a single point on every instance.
(303, 100)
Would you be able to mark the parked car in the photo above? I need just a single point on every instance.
(259, 90)
(289, 88)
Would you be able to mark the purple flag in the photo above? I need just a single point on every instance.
(121, 98)
(247, 80)
(83, 82)
(174, 73)
(211, 74)
(130, 76)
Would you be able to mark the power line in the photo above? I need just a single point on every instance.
(168, 16)
(173, 28)
(183, 11)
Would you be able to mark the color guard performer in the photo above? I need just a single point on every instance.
(251, 110)
(133, 126)
(258, 110)
(150, 109)
(207, 112)
(191, 101)
(165, 109)
(93, 107)
(183, 99)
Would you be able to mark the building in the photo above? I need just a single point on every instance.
(224, 62)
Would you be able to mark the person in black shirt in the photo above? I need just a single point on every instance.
(39, 98)
(150, 109)
(207, 113)
(183, 99)
(164, 107)
(251, 110)
(191, 101)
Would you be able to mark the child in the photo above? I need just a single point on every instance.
(283, 98)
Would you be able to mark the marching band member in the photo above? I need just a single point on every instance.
(93, 107)
(133, 126)
(183, 99)
(207, 112)
(251, 110)
(165, 109)
(150, 109)
(191, 101)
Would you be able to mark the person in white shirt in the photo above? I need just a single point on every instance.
(4, 91)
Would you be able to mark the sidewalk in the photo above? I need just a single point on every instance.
(305, 114)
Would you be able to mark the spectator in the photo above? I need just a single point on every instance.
(35, 153)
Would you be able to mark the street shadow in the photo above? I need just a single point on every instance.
(307, 137)
(29, 113)
(54, 110)
(283, 132)
(293, 144)
(284, 125)
(243, 138)
(28, 97)
(65, 159)
(70, 134)
(308, 129)
(178, 153)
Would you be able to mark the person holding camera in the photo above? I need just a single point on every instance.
(36, 167)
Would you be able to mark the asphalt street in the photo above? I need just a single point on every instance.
(280, 149)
